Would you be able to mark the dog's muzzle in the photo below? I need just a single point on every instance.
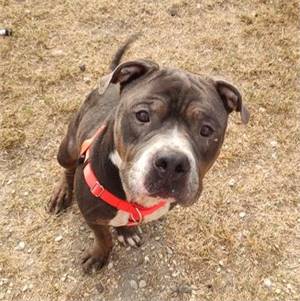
(165, 167)
(168, 175)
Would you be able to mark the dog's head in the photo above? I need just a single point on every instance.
(168, 129)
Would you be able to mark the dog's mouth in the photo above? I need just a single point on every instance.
(160, 189)
(180, 195)
(149, 189)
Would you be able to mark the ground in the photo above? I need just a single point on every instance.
(241, 240)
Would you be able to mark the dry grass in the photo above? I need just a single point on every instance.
(217, 254)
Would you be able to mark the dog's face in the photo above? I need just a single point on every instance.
(168, 131)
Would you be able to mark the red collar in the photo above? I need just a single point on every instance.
(136, 212)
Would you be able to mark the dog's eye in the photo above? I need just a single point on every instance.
(206, 131)
(142, 116)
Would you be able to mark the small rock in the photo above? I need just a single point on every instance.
(99, 288)
(274, 143)
(58, 238)
(218, 269)
(184, 289)
(64, 277)
(289, 286)
(169, 251)
(231, 182)
(268, 283)
(110, 265)
(20, 246)
(175, 274)
(142, 284)
(173, 12)
(57, 52)
(3, 281)
(25, 288)
(82, 67)
(221, 263)
(242, 214)
(147, 259)
(87, 79)
(278, 291)
(133, 284)
(157, 238)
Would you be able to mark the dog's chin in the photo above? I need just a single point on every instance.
(149, 200)
(152, 199)
(146, 197)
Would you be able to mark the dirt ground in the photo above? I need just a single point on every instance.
(241, 240)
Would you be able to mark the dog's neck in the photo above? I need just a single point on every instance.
(107, 173)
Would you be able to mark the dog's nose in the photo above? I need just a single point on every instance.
(172, 164)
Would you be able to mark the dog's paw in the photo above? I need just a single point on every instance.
(92, 262)
(129, 236)
(60, 200)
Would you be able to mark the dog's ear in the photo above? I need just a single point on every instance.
(127, 72)
(232, 99)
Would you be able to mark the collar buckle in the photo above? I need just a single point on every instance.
(97, 190)
(140, 219)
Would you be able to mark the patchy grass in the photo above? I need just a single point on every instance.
(243, 231)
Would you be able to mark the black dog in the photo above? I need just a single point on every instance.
(153, 134)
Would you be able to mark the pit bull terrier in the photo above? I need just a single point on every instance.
(141, 143)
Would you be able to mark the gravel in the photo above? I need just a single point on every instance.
(142, 283)
(242, 214)
(267, 283)
(58, 238)
(20, 246)
(133, 284)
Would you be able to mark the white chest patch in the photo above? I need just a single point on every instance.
(121, 218)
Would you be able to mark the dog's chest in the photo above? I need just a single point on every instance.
(121, 218)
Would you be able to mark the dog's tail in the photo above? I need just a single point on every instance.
(120, 52)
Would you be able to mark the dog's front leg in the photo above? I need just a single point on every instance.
(63, 194)
(98, 254)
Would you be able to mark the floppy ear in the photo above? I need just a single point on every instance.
(232, 99)
(127, 72)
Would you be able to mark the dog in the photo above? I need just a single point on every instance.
(141, 143)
